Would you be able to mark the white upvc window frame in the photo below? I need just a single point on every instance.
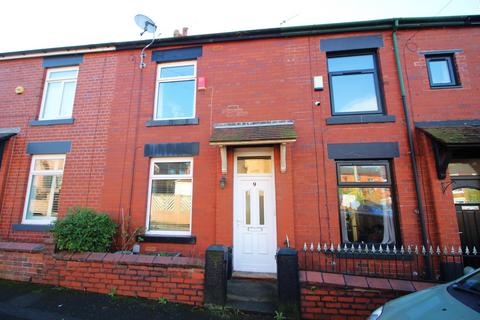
(32, 172)
(63, 80)
(152, 177)
(176, 79)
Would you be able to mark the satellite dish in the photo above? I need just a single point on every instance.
(145, 23)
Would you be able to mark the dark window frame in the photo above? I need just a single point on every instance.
(452, 70)
(389, 184)
(375, 71)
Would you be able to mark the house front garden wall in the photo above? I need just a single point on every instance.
(177, 279)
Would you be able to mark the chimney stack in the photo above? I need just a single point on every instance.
(177, 33)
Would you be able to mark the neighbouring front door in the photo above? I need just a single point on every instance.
(255, 240)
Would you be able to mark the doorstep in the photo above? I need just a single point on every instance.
(254, 275)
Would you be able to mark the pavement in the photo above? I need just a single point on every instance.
(26, 301)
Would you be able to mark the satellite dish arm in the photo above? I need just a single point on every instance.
(142, 54)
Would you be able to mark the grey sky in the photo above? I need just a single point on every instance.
(33, 24)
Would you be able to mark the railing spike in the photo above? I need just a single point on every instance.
(312, 247)
(431, 250)
(460, 252)
(366, 248)
(416, 249)
(452, 251)
(305, 247)
(438, 250)
(387, 249)
(402, 250)
(394, 249)
(331, 247)
(360, 249)
(474, 250)
(409, 249)
(373, 249)
(445, 250)
(467, 251)
(424, 251)
(345, 248)
(339, 248)
(380, 249)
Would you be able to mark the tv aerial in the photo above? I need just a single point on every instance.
(147, 25)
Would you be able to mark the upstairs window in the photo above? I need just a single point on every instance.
(59, 93)
(354, 87)
(44, 185)
(366, 206)
(175, 97)
(441, 71)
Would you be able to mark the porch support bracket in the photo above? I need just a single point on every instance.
(443, 156)
(223, 157)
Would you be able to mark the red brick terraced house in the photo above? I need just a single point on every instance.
(350, 133)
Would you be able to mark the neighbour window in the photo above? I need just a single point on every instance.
(354, 85)
(365, 197)
(441, 71)
(170, 196)
(59, 93)
(44, 185)
(175, 98)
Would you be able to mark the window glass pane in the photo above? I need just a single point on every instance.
(368, 173)
(170, 205)
(67, 99)
(49, 164)
(464, 167)
(53, 99)
(350, 63)
(175, 99)
(171, 168)
(354, 93)
(261, 205)
(44, 196)
(466, 195)
(247, 208)
(254, 165)
(177, 71)
(366, 215)
(66, 74)
(439, 72)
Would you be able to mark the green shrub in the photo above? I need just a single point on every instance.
(83, 229)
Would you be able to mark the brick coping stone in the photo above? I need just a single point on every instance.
(130, 259)
(312, 277)
(22, 247)
(118, 258)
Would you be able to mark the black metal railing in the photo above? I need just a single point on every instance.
(389, 261)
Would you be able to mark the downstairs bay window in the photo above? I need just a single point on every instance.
(170, 196)
(366, 206)
(43, 192)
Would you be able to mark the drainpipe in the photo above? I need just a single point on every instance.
(421, 211)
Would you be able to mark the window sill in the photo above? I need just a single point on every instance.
(367, 118)
(169, 239)
(173, 122)
(445, 87)
(32, 227)
(51, 122)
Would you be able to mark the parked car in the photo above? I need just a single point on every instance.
(459, 299)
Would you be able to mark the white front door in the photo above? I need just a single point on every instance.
(255, 239)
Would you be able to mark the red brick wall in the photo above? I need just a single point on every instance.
(178, 280)
(246, 81)
(333, 302)
(337, 296)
